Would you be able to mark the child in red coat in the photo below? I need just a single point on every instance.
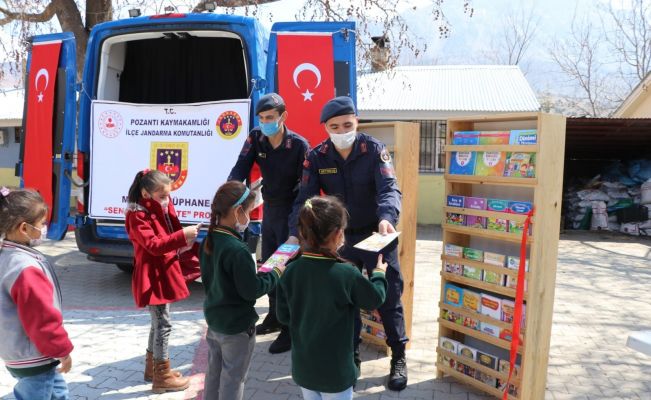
(158, 280)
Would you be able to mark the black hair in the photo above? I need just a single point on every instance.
(150, 180)
(227, 195)
(18, 206)
(319, 219)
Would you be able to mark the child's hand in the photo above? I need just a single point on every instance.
(191, 233)
(66, 364)
(281, 268)
(381, 265)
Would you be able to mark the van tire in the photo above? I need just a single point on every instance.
(128, 268)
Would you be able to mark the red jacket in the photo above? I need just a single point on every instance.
(158, 276)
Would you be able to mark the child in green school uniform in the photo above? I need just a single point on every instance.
(318, 297)
(232, 286)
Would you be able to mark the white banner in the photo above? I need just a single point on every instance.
(196, 145)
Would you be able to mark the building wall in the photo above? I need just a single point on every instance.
(8, 158)
(639, 109)
(431, 195)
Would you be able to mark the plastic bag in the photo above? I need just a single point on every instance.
(593, 195)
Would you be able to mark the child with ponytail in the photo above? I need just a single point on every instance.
(34, 340)
(158, 240)
(229, 277)
(318, 297)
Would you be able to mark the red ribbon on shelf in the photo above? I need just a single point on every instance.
(519, 299)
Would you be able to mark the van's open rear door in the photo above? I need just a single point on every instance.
(308, 64)
(49, 120)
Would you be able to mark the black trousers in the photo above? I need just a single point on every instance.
(275, 232)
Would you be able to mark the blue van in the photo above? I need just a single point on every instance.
(159, 59)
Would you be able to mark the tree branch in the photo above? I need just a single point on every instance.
(43, 16)
(201, 6)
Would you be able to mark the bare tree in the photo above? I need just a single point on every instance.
(514, 37)
(29, 17)
(631, 38)
(578, 56)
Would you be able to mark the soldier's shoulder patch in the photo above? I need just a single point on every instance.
(385, 156)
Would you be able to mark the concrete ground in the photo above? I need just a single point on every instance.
(602, 294)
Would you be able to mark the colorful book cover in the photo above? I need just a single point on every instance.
(467, 352)
(497, 224)
(514, 263)
(455, 201)
(512, 282)
(452, 316)
(472, 272)
(470, 371)
(473, 254)
(453, 295)
(474, 221)
(516, 227)
(491, 306)
(520, 165)
(490, 329)
(486, 379)
(508, 312)
(493, 277)
(453, 268)
(453, 250)
(465, 137)
(476, 203)
(523, 136)
(519, 207)
(471, 323)
(471, 300)
(490, 163)
(462, 162)
(487, 360)
(497, 205)
(503, 367)
(494, 259)
(449, 345)
(280, 257)
(494, 137)
(455, 219)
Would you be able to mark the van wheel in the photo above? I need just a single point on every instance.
(128, 268)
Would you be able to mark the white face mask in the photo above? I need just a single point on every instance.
(36, 242)
(241, 227)
(343, 141)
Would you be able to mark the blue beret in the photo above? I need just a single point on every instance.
(269, 102)
(342, 105)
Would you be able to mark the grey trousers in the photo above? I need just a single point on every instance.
(159, 333)
(229, 358)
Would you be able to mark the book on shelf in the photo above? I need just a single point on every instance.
(471, 300)
(474, 221)
(473, 272)
(453, 295)
(497, 224)
(453, 250)
(473, 254)
(453, 268)
(456, 201)
(452, 316)
(475, 203)
(490, 163)
(455, 219)
(523, 136)
(462, 162)
(520, 165)
(450, 345)
(497, 205)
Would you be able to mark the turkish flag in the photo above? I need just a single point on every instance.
(306, 81)
(37, 164)
(256, 213)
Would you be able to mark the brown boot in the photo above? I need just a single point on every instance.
(164, 379)
(149, 368)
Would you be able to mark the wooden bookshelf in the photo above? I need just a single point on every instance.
(402, 141)
(544, 192)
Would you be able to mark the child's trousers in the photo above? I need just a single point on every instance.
(48, 385)
(159, 332)
(229, 358)
(312, 395)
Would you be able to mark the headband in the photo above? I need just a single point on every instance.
(244, 196)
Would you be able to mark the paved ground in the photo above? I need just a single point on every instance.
(603, 293)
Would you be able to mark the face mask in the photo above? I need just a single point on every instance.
(270, 128)
(165, 203)
(36, 242)
(241, 227)
(343, 141)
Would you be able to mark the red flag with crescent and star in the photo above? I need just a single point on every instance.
(306, 80)
(37, 168)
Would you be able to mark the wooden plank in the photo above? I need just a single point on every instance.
(474, 315)
(505, 344)
(542, 282)
(485, 213)
(493, 180)
(520, 148)
(472, 381)
(372, 324)
(489, 267)
(479, 232)
(503, 290)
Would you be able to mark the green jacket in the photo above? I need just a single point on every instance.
(231, 283)
(318, 298)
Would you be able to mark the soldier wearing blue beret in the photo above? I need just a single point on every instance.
(280, 154)
(357, 168)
